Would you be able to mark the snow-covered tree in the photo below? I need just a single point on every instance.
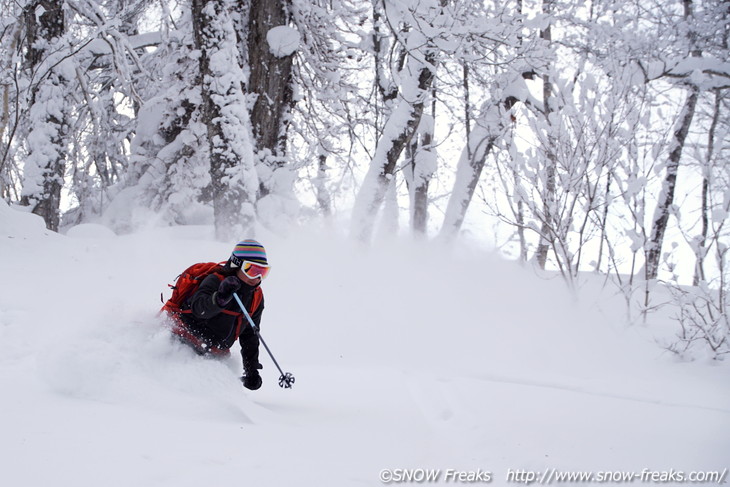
(234, 182)
(49, 71)
(418, 25)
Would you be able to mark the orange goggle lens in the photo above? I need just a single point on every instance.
(254, 270)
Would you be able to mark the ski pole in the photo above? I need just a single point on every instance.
(285, 379)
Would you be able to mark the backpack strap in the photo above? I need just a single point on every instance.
(258, 297)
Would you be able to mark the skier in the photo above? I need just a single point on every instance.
(210, 319)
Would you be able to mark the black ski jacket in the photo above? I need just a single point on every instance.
(218, 326)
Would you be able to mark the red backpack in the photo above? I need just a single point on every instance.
(187, 283)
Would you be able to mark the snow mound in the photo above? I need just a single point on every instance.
(15, 223)
(90, 230)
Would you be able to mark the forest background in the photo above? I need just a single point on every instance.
(581, 138)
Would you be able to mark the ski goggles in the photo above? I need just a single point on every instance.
(254, 270)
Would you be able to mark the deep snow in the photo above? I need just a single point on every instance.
(406, 356)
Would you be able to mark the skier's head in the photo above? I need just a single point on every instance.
(250, 257)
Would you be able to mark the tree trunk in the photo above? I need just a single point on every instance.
(270, 80)
(604, 223)
(45, 166)
(701, 249)
(469, 168)
(666, 197)
(233, 179)
(494, 119)
(520, 213)
(546, 240)
(419, 218)
(419, 171)
(324, 198)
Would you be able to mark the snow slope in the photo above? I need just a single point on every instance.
(406, 356)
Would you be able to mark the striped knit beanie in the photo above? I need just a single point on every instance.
(249, 250)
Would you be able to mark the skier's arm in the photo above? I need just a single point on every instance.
(249, 340)
(256, 317)
(203, 304)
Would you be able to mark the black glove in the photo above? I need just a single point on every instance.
(252, 380)
(227, 287)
